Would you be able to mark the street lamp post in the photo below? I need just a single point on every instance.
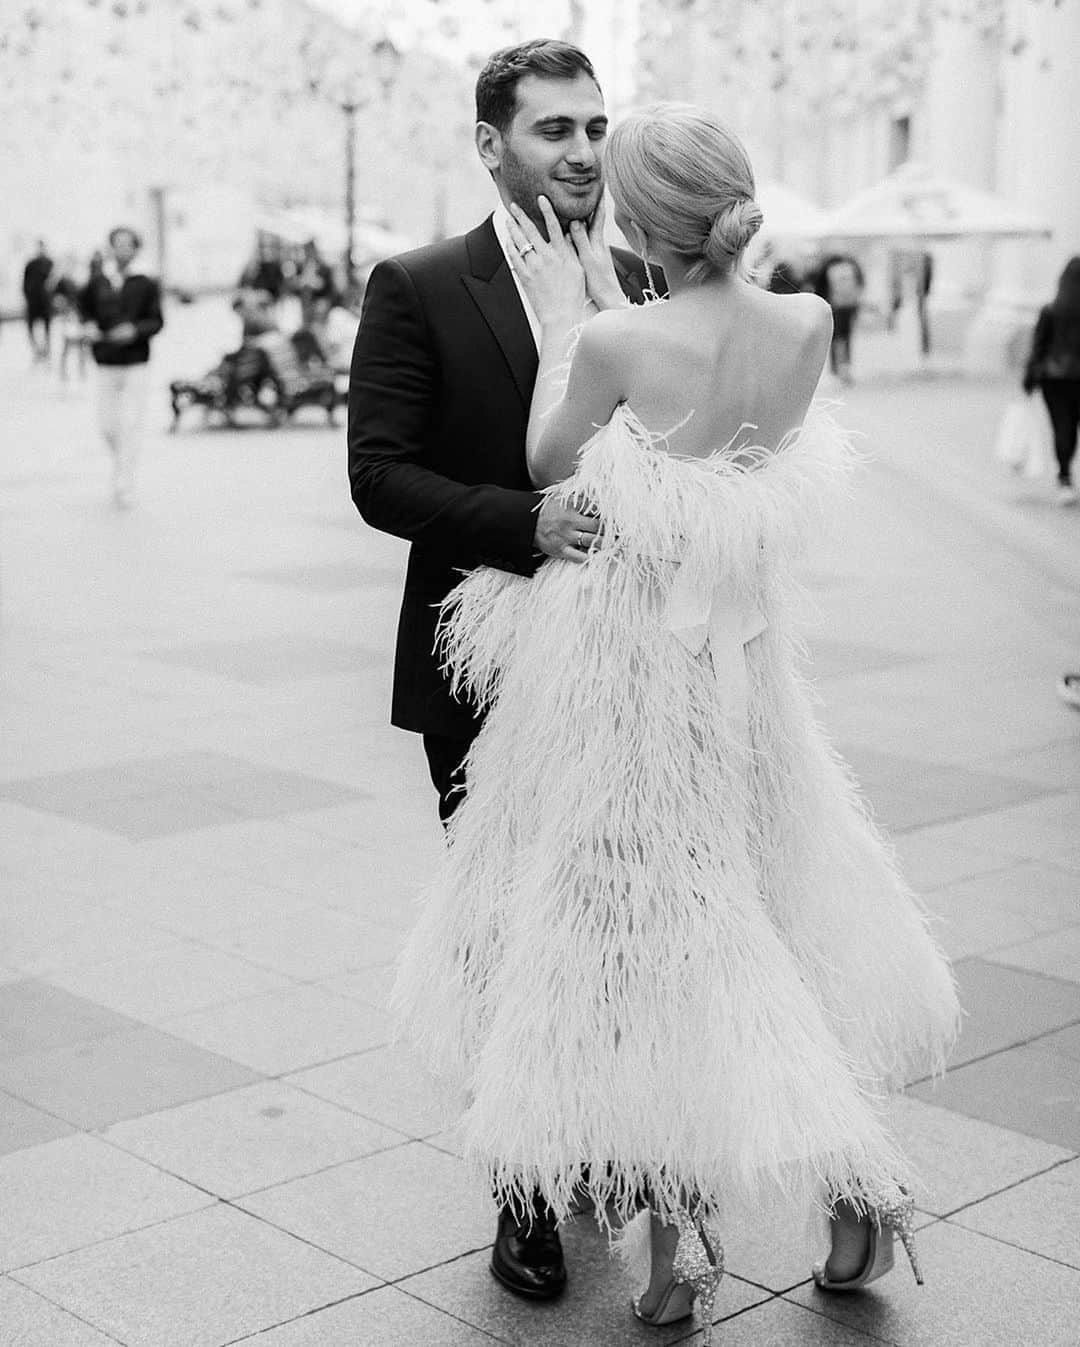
(350, 109)
(385, 59)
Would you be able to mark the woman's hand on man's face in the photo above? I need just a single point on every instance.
(601, 282)
(549, 269)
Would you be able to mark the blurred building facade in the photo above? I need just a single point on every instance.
(206, 114)
(831, 95)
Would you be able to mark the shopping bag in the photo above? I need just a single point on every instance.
(1024, 439)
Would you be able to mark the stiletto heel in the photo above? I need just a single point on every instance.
(894, 1216)
(698, 1266)
(899, 1217)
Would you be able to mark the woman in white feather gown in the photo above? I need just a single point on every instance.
(668, 956)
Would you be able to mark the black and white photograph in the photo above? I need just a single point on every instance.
(539, 673)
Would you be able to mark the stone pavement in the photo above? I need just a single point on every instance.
(209, 840)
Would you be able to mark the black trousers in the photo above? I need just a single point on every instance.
(445, 757)
(1062, 397)
(840, 348)
(36, 314)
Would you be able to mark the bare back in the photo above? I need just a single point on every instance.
(730, 358)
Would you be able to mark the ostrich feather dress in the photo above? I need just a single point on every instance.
(667, 951)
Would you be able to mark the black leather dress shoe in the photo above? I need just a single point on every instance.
(528, 1259)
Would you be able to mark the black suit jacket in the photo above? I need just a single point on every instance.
(439, 392)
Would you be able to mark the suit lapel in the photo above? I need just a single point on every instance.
(631, 284)
(493, 291)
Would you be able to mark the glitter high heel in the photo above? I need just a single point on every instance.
(886, 1219)
(696, 1271)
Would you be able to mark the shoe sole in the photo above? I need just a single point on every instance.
(525, 1292)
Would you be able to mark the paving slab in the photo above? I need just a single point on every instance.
(36, 1014)
(838, 659)
(370, 985)
(272, 852)
(77, 1191)
(387, 1084)
(958, 1160)
(198, 901)
(22, 1125)
(251, 1138)
(1041, 1214)
(31, 1321)
(41, 942)
(986, 914)
(122, 1075)
(1007, 1006)
(315, 943)
(286, 1030)
(927, 862)
(386, 1315)
(329, 576)
(182, 979)
(1064, 1041)
(779, 1323)
(391, 1213)
(1042, 829)
(977, 1291)
(1057, 764)
(1056, 955)
(1030, 1089)
(272, 659)
(201, 1281)
(908, 793)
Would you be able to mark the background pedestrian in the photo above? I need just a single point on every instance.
(37, 295)
(1054, 366)
(123, 307)
(840, 283)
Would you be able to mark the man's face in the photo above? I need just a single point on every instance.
(553, 147)
(124, 248)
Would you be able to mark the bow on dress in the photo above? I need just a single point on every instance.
(701, 613)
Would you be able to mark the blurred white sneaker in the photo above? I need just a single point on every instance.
(1065, 494)
(1068, 687)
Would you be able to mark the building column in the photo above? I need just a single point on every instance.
(1038, 150)
(955, 137)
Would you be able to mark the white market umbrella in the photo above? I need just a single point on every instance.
(790, 215)
(375, 241)
(916, 203)
(300, 223)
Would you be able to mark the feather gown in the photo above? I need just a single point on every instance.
(667, 951)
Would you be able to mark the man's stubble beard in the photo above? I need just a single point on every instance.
(524, 186)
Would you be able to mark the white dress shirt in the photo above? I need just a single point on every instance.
(501, 221)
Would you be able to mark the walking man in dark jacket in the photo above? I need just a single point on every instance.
(37, 295)
(124, 308)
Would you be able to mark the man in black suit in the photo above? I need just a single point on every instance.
(442, 377)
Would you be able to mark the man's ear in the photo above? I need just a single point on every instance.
(489, 146)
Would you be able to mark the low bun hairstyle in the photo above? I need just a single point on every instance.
(731, 231)
(676, 171)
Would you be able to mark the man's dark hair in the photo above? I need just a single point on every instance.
(125, 229)
(496, 86)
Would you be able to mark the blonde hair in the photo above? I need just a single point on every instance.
(685, 179)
